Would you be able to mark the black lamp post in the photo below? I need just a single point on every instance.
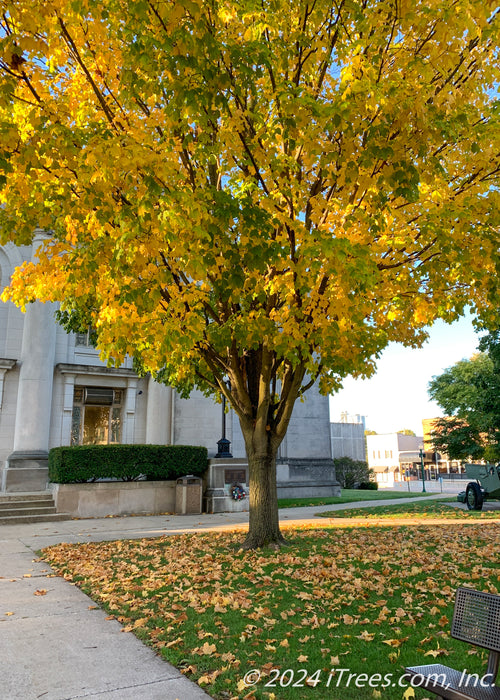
(421, 455)
(223, 444)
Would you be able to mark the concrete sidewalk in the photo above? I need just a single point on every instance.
(54, 644)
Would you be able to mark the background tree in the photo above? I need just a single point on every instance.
(352, 471)
(250, 198)
(405, 431)
(469, 394)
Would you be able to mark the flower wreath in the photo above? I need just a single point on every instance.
(237, 492)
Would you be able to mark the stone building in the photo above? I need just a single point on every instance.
(54, 390)
(348, 437)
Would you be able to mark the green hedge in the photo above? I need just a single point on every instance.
(368, 486)
(70, 465)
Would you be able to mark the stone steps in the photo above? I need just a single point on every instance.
(29, 508)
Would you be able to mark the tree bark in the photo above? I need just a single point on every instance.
(264, 420)
(264, 526)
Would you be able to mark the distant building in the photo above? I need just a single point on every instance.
(443, 461)
(348, 437)
(396, 457)
(391, 455)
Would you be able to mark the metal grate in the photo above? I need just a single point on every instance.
(476, 618)
(448, 683)
(98, 396)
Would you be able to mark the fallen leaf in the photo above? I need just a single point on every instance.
(174, 642)
(207, 649)
(366, 636)
(436, 652)
(394, 642)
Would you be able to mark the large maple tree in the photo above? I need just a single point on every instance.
(250, 197)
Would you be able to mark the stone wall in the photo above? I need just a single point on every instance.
(307, 478)
(100, 499)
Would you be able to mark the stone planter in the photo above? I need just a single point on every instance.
(103, 498)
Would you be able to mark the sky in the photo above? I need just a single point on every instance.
(396, 397)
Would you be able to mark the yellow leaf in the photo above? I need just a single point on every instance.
(141, 622)
(395, 642)
(436, 652)
(174, 642)
(40, 591)
(366, 636)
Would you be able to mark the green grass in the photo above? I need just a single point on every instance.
(370, 600)
(429, 509)
(348, 496)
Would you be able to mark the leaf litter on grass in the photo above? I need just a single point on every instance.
(367, 601)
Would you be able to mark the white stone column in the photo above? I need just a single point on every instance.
(129, 412)
(5, 365)
(67, 417)
(27, 465)
(159, 413)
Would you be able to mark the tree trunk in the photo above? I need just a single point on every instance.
(264, 526)
(264, 419)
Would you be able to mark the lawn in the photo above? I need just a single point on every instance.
(305, 621)
(446, 509)
(348, 496)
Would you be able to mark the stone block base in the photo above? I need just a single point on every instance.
(220, 476)
(26, 472)
(307, 478)
(304, 490)
(220, 501)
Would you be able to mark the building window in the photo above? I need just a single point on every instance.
(85, 340)
(97, 416)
